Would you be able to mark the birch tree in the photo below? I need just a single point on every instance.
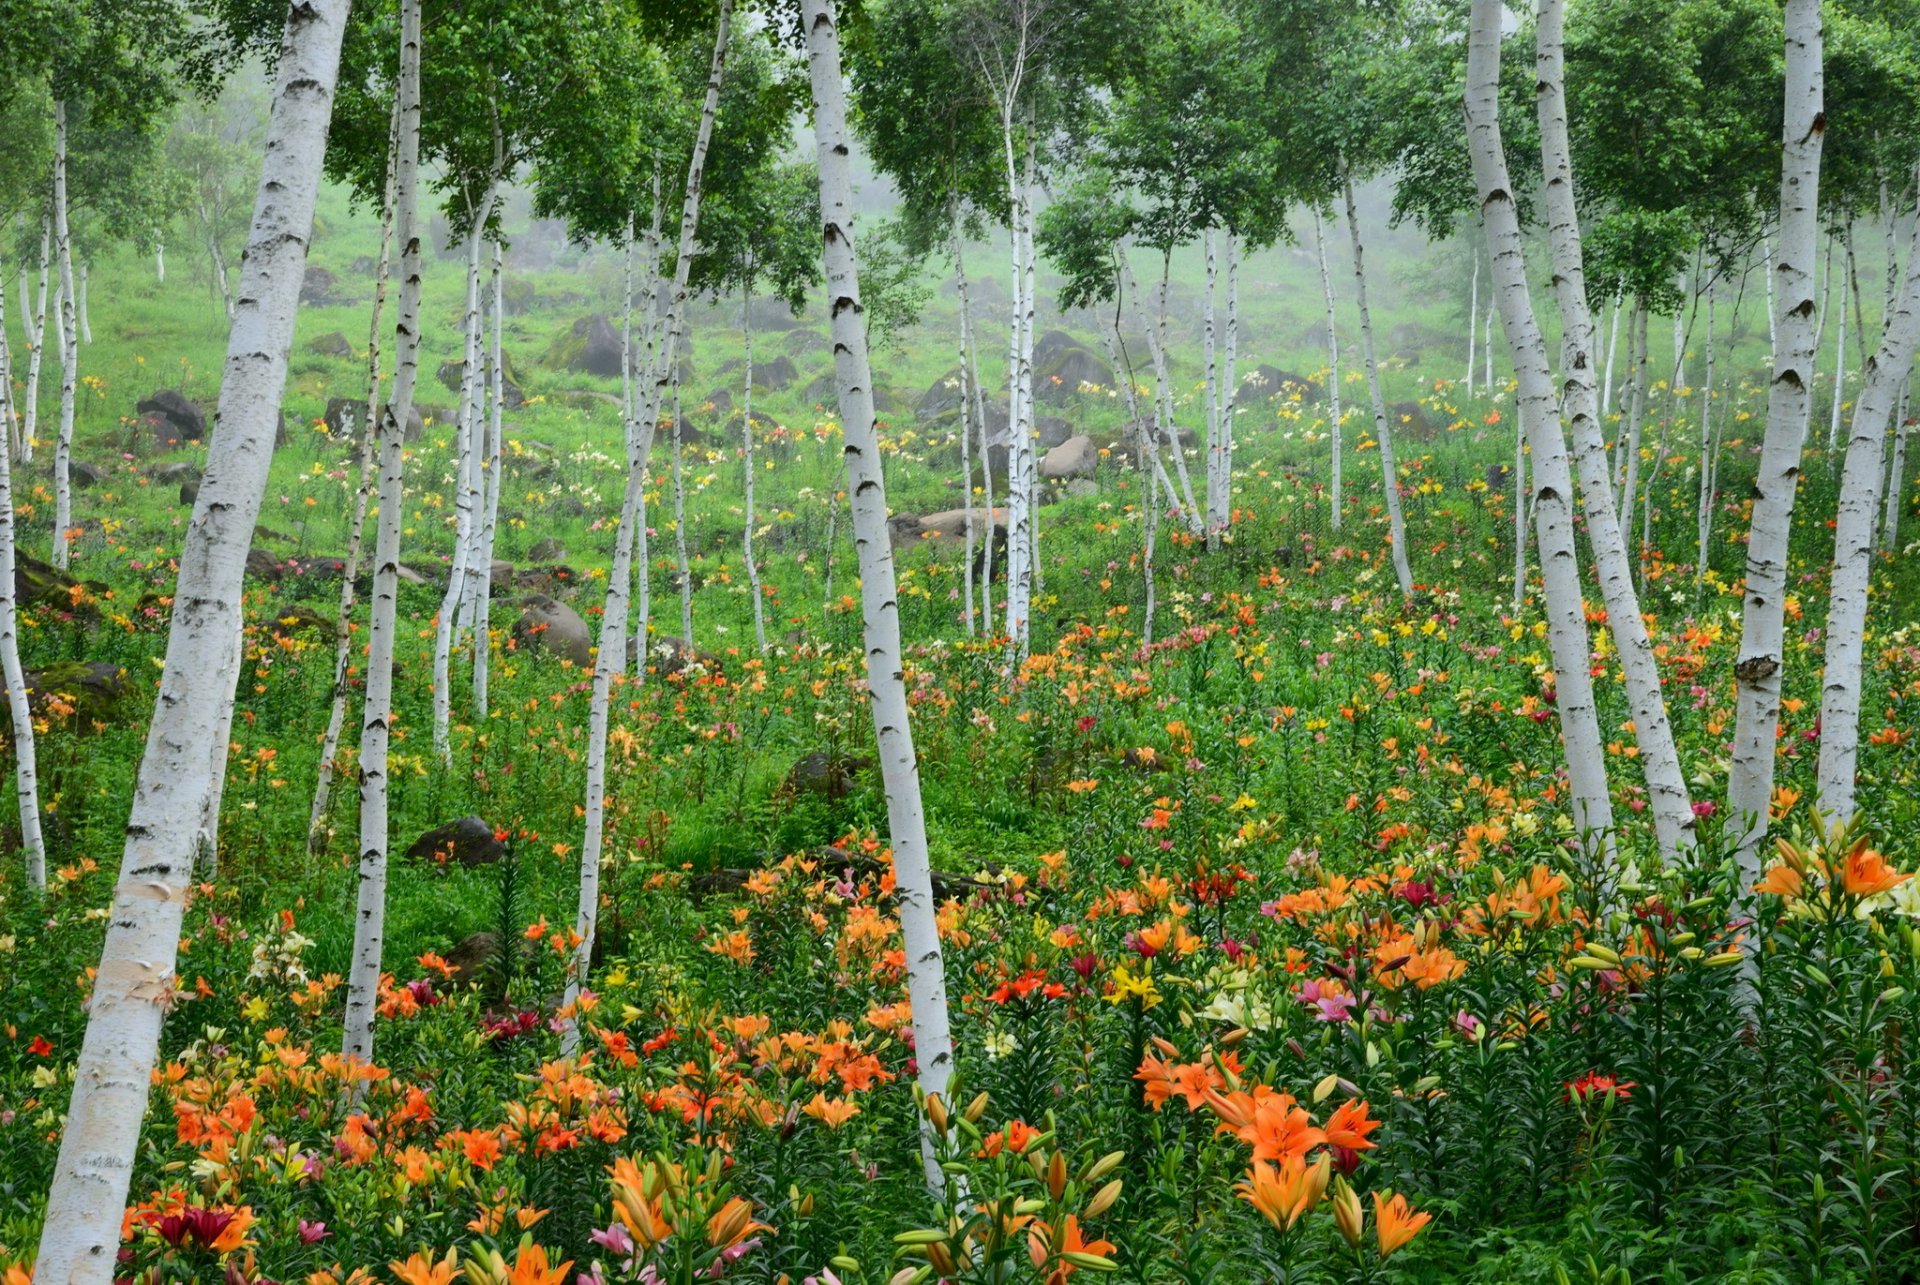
(1552, 479)
(1874, 407)
(880, 611)
(112, 1076)
(1667, 795)
(1757, 670)
(388, 455)
(33, 849)
(610, 662)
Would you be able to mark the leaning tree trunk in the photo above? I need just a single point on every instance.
(1757, 671)
(610, 660)
(1389, 476)
(81, 1233)
(376, 718)
(886, 686)
(33, 847)
(1143, 448)
(1667, 796)
(1853, 538)
(1519, 481)
(1334, 428)
(1552, 480)
(30, 420)
(364, 470)
(69, 347)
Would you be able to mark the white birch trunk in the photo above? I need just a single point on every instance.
(886, 686)
(1757, 672)
(1473, 306)
(680, 514)
(1859, 509)
(1552, 479)
(1210, 390)
(1519, 483)
(1383, 431)
(970, 363)
(1897, 473)
(1143, 448)
(491, 478)
(1486, 351)
(69, 347)
(30, 421)
(746, 453)
(1336, 428)
(466, 497)
(1709, 460)
(966, 425)
(1613, 345)
(611, 657)
(1636, 413)
(1849, 288)
(1819, 336)
(136, 975)
(1230, 380)
(365, 467)
(1667, 795)
(33, 848)
(376, 718)
(86, 322)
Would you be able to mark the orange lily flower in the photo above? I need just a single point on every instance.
(1867, 873)
(1395, 1222)
(421, 1270)
(1286, 1193)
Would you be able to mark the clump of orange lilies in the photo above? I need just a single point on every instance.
(1291, 1169)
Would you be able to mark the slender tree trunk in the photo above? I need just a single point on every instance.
(966, 420)
(1709, 460)
(886, 687)
(33, 848)
(1143, 448)
(1021, 471)
(1667, 795)
(1613, 344)
(1897, 473)
(1486, 350)
(1519, 513)
(466, 495)
(611, 657)
(111, 1079)
(1819, 337)
(1636, 413)
(1216, 447)
(1473, 305)
(1230, 381)
(746, 450)
(376, 720)
(160, 262)
(1336, 429)
(365, 466)
(1552, 479)
(492, 477)
(970, 358)
(30, 422)
(69, 347)
(1849, 289)
(684, 563)
(1389, 476)
(86, 322)
(1881, 384)
(1757, 672)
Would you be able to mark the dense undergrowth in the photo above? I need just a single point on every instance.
(1288, 900)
